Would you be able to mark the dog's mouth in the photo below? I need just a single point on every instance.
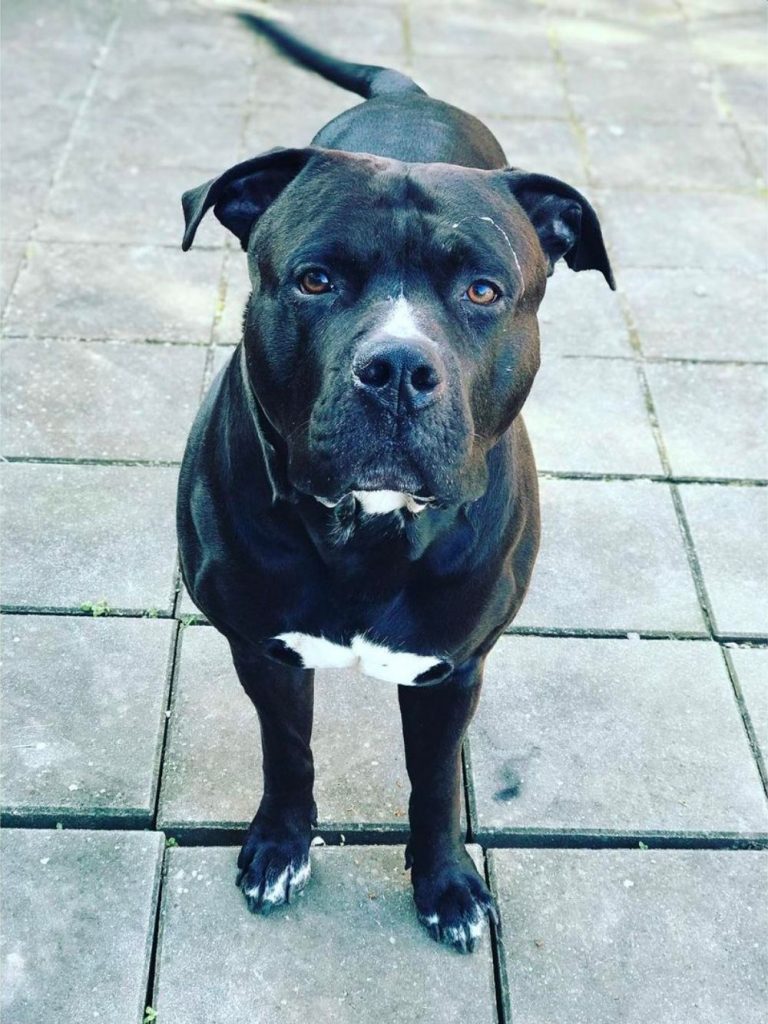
(380, 501)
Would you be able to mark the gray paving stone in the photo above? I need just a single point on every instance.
(589, 415)
(494, 85)
(751, 665)
(608, 736)
(547, 147)
(363, 32)
(611, 557)
(666, 229)
(131, 205)
(349, 949)
(729, 530)
(629, 35)
(78, 913)
(229, 328)
(756, 142)
(581, 316)
(629, 154)
(600, 936)
(713, 418)
(680, 313)
(81, 399)
(212, 775)
(604, 91)
(10, 260)
(457, 29)
(745, 92)
(118, 292)
(77, 534)
(83, 717)
(734, 38)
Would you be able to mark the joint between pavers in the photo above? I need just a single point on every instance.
(96, 612)
(63, 460)
(498, 951)
(746, 720)
(601, 839)
(585, 633)
(171, 676)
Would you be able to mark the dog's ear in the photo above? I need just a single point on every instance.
(565, 222)
(240, 195)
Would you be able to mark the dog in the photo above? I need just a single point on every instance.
(358, 488)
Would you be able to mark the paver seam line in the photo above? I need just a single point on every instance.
(665, 360)
(577, 128)
(155, 938)
(97, 63)
(543, 474)
(498, 951)
(172, 677)
(132, 819)
(80, 612)
(103, 339)
(746, 719)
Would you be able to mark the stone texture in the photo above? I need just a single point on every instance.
(348, 949)
(75, 534)
(83, 717)
(603, 91)
(589, 415)
(728, 526)
(544, 146)
(734, 38)
(581, 316)
(713, 418)
(455, 29)
(10, 261)
(229, 328)
(78, 913)
(632, 36)
(745, 93)
(611, 557)
(212, 772)
(116, 292)
(630, 154)
(611, 735)
(674, 229)
(494, 86)
(751, 665)
(682, 313)
(599, 936)
(80, 399)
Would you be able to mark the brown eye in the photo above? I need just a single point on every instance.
(315, 282)
(483, 293)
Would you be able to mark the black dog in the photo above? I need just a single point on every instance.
(358, 487)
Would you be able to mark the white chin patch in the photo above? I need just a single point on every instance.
(379, 503)
(371, 659)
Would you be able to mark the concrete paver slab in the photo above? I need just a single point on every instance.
(79, 399)
(76, 534)
(680, 313)
(599, 936)
(10, 260)
(229, 328)
(611, 735)
(212, 772)
(494, 86)
(611, 557)
(728, 526)
(118, 292)
(713, 418)
(580, 316)
(83, 717)
(78, 913)
(348, 949)
(751, 665)
(544, 146)
(455, 29)
(674, 229)
(589, 415)
(636, 155)
(745, 93)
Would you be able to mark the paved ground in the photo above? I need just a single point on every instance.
(614, 778)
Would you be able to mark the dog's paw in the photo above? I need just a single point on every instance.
(275, 874)
(453, 904)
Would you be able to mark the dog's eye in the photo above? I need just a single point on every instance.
(315, 282)
(483, 293)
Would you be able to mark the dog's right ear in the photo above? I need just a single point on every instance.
(240, 195)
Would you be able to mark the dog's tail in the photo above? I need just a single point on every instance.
(366, 80)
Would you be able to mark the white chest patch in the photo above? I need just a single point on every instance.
(372, 659)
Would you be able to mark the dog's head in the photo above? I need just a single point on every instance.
(391, 334)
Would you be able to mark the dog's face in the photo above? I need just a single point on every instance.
(391, 335)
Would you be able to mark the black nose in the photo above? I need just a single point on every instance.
(403, 377)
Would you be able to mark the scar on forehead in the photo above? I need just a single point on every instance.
(503, 233)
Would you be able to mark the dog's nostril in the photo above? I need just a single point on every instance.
(424, 378)
(376, 374)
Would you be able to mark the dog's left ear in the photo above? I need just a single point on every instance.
(240, 195)
(565, 222)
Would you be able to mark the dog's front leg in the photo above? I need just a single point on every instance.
(274, 860)
(451, 898)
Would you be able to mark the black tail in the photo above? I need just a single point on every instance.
(364, 79)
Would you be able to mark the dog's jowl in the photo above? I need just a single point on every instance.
(358, 489)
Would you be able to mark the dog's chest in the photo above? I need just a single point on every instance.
(372, 659)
